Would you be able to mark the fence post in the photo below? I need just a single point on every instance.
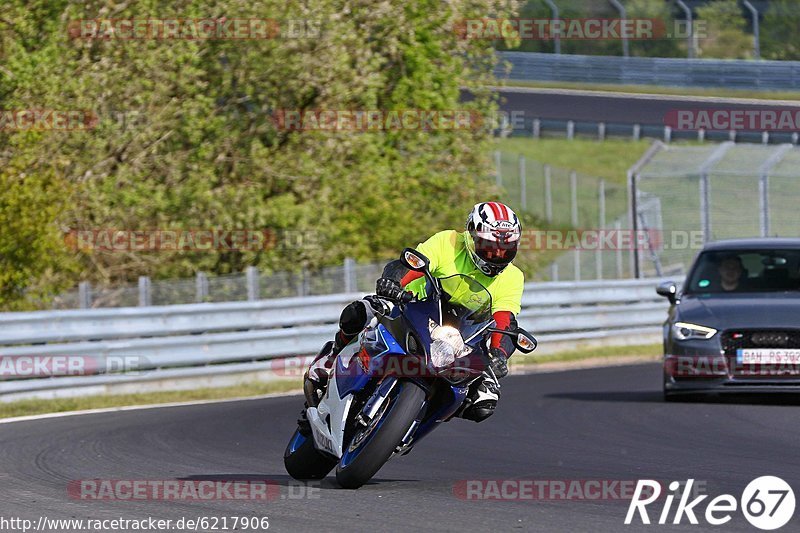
(253, 288)
(349, 274)
(548, 195)
(764, 137)
(573, 191)
(498, 172)
(601, 208)
(756, 36)
(553, 271)
(537, 128)
(576, 256)
(667, 134)
(201, 287)
(690, 36)
(523, 182)
(795, 137)
(701, 134)
(705, 219)
(570, 129)
(601, 131)
(732, 135)
(144, 291)
(637, 132)
(84, 295)
(617, 229)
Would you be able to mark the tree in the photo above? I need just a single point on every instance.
(726, 35)
(185, 136)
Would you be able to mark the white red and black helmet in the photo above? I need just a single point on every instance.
(495, 231)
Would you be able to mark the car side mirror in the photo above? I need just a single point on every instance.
(668, 290)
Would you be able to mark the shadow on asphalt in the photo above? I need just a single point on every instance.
(657, 397)
(284, 480)
(610, 396)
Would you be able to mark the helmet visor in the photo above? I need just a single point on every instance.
(498, 247)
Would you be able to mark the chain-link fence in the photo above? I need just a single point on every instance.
(248, 285)
(567, 201)
(689, 195)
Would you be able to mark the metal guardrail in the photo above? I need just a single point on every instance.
(676, 72)
(176, 340)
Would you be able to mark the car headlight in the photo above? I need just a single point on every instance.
(447, 345)
(685, 331)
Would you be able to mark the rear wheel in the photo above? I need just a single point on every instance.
(371, 446)
(303, 461)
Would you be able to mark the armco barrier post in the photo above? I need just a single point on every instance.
(201, 287)
(144, 291)
(84, 295)
(253, 288)
(349, 274)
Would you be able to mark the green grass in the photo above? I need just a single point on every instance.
(60, 405)
(654, 89)
(609, 159)
(602, 352)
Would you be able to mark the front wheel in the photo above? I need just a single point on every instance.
(372, 446)
(303, 461)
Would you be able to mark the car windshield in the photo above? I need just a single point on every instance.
(739, 271)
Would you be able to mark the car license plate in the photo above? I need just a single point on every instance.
(767, 356)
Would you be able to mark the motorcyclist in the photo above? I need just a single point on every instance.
(484, 252)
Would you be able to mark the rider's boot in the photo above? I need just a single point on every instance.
(481, 399)
(315, 381)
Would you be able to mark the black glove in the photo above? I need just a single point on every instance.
(497, 362)
(391, 290)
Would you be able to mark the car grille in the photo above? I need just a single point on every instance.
(733, 340)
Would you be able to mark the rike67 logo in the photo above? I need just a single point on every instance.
(767, 503)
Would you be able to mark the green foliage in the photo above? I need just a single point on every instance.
(726, 36)
(780, 38)
(185, 137)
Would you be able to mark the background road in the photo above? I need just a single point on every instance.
(597, 106)
(606, 423)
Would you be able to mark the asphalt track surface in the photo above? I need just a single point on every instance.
(597, 106)
(599, 424)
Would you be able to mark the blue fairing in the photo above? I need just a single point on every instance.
(445, 412)
(353, 378)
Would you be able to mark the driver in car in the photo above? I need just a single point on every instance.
(483, 252)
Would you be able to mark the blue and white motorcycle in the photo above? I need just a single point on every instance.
(408, 371)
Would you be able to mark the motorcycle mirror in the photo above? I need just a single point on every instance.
(413, 260)
(525, 342)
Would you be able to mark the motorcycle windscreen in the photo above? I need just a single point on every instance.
(466, 304)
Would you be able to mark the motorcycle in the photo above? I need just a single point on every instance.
(407, 372)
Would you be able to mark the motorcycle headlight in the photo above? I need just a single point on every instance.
(685, 331)
(447, 345)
